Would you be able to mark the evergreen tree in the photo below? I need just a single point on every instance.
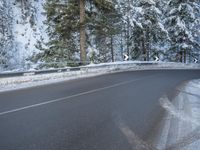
(148, 31)
(86, 17)
(143, 29)
(126, 9)
(68, 21)
(180, 22)
(63, 25)
(82, 32)
(107, 29)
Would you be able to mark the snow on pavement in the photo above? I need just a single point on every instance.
(14, 83)
(180, 127)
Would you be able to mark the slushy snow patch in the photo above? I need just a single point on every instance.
(180, 127)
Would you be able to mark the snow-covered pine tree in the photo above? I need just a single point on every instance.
(143, 29)
(148, 31)
(195, 55)
(63, 24)
(126, 10)
(96, 16)
(67, 30)
(107, 29)
(102, 6)
(180, 22)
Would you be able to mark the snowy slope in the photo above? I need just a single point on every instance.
(28, 27)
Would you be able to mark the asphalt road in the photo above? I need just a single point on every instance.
(109, 112)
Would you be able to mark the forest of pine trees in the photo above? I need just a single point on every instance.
(84, 31)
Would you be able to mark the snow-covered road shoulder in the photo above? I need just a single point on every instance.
(180, 126)
(31, 79)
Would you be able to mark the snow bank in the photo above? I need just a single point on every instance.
(180, 127)
(30, 79)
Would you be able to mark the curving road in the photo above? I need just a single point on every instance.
(110, 112)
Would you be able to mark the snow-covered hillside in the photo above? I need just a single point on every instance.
(25, 29)
(28, 26)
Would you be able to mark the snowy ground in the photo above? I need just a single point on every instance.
(30, 80)
(180, 127)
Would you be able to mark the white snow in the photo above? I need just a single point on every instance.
(181, 24)
(184, 46)
(88, 71)
(137, 9)
(180, 127)
(157, 11)
(151, 2)
(25, 34)
(1, 4)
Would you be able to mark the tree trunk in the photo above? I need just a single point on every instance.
(181, 56)
(128, 29)
(147, 44)
(82, 32)
(189, 57)
(185, 56)
(144, 48)
(128, 38)
(122, 47)
(112, 50)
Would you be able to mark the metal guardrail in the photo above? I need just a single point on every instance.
(68, 69)
(37, 72)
